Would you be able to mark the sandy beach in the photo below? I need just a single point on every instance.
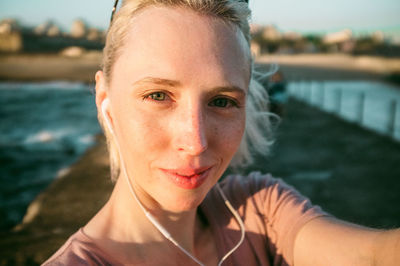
(349, 171)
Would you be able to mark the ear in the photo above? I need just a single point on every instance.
(101, 95)
(101, 89)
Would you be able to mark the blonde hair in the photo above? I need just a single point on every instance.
(257, 133)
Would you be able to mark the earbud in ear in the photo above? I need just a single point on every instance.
(104, 107)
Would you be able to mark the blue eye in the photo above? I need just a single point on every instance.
(222, 103)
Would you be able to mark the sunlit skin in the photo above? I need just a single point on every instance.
(177, 106)
(178, 97)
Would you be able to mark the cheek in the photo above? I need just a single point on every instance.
(148, 136)
(229, 134)
(142, 135)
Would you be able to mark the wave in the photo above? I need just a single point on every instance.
(87, 139)
(45, 127)
(41, 137)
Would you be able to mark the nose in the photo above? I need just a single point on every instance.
(190, 131)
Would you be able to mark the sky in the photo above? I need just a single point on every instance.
(305, 16)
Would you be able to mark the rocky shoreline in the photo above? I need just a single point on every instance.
(56, 213)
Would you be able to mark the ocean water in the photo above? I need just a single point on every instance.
(44, 128)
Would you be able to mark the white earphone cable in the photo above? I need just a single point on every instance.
(153, 220)
(238, 219)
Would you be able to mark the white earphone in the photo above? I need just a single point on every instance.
(151, 218)
(104, 107)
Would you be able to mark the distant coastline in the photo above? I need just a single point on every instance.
(46, 67)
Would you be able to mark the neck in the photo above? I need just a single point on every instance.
(124, 221)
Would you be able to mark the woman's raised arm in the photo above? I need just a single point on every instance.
(329, 241)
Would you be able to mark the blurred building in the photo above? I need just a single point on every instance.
(271, 33)
(395, 40)
(48, 38)
(292, 36)
(78, 29)
(9, 25)
(41, 29)
(94, 35)
(54, 31)
(338, 37)
(341, 41)
(378, 36)
(47, 28)
(10, 36)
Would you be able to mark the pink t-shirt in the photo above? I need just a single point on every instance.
(272, 211)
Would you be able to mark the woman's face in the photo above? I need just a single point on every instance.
(178, 93)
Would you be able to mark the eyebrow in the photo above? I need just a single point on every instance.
(174, 83)
(158, 81)
(228, 89)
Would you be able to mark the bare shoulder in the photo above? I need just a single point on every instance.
(79, 250)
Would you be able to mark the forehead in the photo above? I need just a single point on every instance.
(181, 44)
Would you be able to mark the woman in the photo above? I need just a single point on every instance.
(178, 104)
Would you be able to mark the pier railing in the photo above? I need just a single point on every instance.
(368, 108)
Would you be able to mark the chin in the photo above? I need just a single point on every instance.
(184, 203)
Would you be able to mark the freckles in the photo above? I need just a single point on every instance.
(228, 135)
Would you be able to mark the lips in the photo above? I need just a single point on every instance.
(188, 178)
